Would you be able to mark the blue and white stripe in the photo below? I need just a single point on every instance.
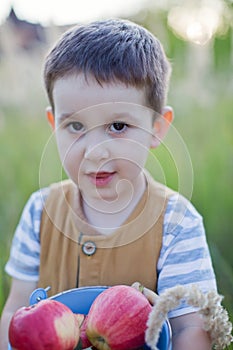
(25, 250)
(184, 257)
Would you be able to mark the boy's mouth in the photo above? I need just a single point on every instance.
(101, 178)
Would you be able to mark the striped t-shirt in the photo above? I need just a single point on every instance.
(184, 258)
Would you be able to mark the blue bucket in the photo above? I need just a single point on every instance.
(79, 300)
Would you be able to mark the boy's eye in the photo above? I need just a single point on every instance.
(75, 126)
(118, 127)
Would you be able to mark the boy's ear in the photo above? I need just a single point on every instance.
(161, 126)
(50, 117)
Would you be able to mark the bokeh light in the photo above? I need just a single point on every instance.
(196, 22)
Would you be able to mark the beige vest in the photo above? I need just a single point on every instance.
(129, 254)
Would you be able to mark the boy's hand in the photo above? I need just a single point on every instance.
(149, 294)
(188, 333)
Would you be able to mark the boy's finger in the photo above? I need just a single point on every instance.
(149, 294)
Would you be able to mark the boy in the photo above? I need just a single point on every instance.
(111, 223)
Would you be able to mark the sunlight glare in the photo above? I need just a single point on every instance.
(197, 25)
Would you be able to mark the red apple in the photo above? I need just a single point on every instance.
(46, 325)
(117, 319)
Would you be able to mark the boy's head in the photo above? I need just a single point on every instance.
(111, 51)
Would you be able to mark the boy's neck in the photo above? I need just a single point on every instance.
(110, 216)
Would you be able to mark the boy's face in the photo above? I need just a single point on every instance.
(103, 134)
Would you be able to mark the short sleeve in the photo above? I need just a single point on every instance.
(184, 257)
(24, 257)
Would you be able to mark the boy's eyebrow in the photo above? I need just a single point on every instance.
(123, 116)
(61, 118)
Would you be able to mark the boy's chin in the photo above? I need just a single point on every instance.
(107, 201)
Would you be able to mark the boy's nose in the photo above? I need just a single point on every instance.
(95, 152)
(96, 148)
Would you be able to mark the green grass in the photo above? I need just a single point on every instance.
(27, 149)
(21, 142)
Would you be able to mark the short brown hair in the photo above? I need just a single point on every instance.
(112, 50)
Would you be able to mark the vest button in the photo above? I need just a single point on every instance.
(89, 248)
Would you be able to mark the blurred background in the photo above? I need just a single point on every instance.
(198, 39)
